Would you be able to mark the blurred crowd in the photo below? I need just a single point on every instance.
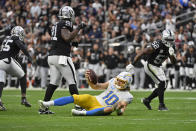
(140, 21)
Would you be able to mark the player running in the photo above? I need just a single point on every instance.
(115, 97)
(157, 53)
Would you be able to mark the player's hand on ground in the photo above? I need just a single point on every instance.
(121, 106)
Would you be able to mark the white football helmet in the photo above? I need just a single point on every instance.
(67, 12)
(168, 37)
(18, 31)
(123, 80)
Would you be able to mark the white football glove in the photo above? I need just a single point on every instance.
(130, 68)
(171, 51)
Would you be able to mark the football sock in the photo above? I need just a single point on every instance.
(161, 90)
(49, 92)
(96, 112)
(23, 85)
(23, 98)
(153, 94)
(1, 88)
(63, 101)
(48, 103)
(73, 89)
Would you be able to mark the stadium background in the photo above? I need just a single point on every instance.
(129, 24)
(118, 27)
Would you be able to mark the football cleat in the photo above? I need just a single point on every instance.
(146, 102)
(2, 108)
(78, 113)
(45, 111)
(162, 107)
(25, 103)
(41, 105)
(79, 108)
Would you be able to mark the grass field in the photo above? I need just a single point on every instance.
(180, 117)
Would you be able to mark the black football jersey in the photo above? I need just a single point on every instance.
(190, 59)
(9, 48)
(59, 46)
(160, 54)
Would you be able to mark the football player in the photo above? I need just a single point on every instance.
(63, 37)
(189, 60)
(115, 97)
(9, 50)
(157, 53)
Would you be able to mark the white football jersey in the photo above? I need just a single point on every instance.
(113, 95)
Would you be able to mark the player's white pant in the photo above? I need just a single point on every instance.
(10, 66)
(61, 66)
(44, 76)
(156, 73)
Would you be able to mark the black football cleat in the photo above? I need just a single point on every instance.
(25, 103)
(162, 107)
(146, 102)
(2, 108)
(45, 111)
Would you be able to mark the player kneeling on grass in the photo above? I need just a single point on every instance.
(116, 97)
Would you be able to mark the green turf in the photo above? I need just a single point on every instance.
(180, 117)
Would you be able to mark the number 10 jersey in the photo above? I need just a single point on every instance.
(112, 95)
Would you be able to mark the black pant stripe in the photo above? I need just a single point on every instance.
(72, 71)
(153, 73)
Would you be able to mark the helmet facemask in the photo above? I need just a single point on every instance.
(67, 12)
(120, 84)
(123, 80)
(168, 38)
(18, 31)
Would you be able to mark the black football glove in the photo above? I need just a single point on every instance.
(75, 44)
(81, 26)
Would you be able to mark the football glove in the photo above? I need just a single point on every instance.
(171, 51)
(75, 44)
(81, 26)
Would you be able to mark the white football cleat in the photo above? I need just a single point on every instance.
(78, 113)
(41, 105)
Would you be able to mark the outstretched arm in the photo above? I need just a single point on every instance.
(69, 36)
(147, 50)
(21, 45)
(120, 107)
(97, 86)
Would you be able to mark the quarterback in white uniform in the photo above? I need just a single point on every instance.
(116, 97)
